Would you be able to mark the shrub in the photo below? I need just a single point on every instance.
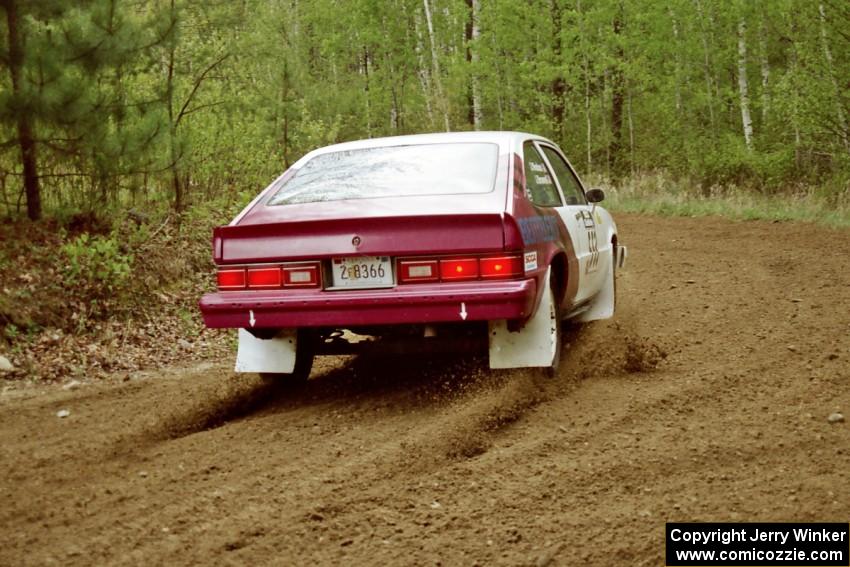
(96, 273)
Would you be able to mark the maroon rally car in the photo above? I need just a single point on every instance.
(461, 240)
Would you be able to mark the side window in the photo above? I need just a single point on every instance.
(539, 185)
(569, 183)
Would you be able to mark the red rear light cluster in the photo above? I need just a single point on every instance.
(269, 276)
(231, 278)
(301, 276)
(501, 267)
(452, 269)
(417, 270)
(264, 278)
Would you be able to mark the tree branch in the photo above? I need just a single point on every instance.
(197, 85)
(201, 107)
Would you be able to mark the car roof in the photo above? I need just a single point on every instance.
(506, 140)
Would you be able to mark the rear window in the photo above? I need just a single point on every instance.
(394, 171)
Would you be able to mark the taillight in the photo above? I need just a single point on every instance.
(306, 275)
(418, 271)
(231, 278)
(264, 278)
(269, 276)
(455, 269)
(423, 270)
(501, 267)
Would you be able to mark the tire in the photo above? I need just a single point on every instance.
(304, 354)
(556, 320)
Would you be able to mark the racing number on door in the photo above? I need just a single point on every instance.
(593, 261)
(592, 241)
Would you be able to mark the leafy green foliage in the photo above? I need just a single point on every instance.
(175, 103)
(95, 267)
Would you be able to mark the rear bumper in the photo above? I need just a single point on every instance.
(419, 303)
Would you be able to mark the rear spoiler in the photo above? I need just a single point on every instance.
(396, 235)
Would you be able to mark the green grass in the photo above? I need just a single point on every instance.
(656, 194)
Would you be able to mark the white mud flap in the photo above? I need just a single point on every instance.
(532, 346)
(275, 355)
(602, 306)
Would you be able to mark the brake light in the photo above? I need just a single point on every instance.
(501, 267)
(264, 278)
(455, 269)
(231, 278)
(306, 275)
(418, 271)
(423, 270)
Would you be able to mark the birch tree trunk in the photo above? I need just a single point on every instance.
(473, 32)
(677, 72)
(366, 93)
(830, 68)
(764, 63)
(476, 87)
(422, 70)
(743, 85)
(435, 63)
(395, 122)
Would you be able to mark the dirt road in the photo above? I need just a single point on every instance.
(706, 399)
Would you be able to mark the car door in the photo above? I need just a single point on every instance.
(583, 225)
(543, 190)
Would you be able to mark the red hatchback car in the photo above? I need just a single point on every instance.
(476, 240)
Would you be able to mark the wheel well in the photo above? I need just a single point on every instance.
(560, 275)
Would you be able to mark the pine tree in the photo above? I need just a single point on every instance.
(68, 99)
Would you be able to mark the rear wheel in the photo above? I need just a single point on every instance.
(304, 354)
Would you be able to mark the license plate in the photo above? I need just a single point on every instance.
(363, 271)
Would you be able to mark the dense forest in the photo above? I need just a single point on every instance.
(109, 104)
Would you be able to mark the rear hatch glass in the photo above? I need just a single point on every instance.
(392, 171)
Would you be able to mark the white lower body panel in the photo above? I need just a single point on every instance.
(532, 346)
(602, 306)
(275, 355)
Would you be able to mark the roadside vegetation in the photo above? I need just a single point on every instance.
(129, 129)
(659, 194)
(84, 296)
